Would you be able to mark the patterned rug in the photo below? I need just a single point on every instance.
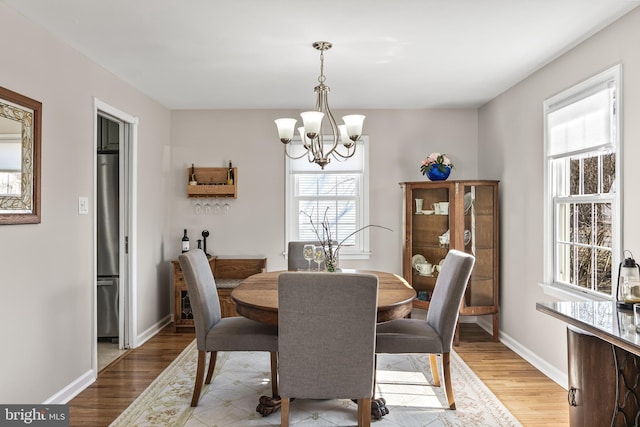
(241, 378)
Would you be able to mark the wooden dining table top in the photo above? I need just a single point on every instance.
(256, 297)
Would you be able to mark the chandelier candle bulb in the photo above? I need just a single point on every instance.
(344, 136)
(354, 124)
(312, 121)
(303, 138)
(286, 128)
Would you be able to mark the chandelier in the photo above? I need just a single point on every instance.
(311, 133)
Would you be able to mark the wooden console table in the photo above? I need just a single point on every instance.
(604, 362)
(228, 272)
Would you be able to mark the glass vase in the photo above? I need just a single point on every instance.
(331, 260)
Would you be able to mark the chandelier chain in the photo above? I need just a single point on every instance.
(321, 77)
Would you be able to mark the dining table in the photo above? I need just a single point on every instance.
(256, 298)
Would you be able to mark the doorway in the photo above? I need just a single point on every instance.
(115, 133)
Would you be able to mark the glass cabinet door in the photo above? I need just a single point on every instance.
(480, 240)
(430, 237)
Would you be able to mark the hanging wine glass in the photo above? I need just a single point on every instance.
(226, 207)
(217, 207)
(318, 255)
(197, 207)
(307, 253)
(207, 206)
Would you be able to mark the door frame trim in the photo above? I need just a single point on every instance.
(128, 162)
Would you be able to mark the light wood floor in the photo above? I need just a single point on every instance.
(530, 396)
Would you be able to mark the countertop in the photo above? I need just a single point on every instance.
(599, 318)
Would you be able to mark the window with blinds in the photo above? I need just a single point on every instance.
(338, 193)
(582, 200)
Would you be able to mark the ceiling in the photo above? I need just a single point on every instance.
(231, 54)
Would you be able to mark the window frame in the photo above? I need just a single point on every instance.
(613, 78)
(362, 201)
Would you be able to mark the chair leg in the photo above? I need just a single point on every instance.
(274, 374)
(446, 372)
(456, 335)
(375, 377)
(212, 366)
(197, 387)
(364, 412)
(284, 412)
(433, 361)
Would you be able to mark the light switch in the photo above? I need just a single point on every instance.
(83, 205)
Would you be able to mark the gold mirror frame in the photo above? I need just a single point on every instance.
(23, 208)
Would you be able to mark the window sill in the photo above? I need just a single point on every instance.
(566, 294)
(354, 255)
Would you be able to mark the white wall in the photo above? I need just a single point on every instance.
(511, 147)
(399, 141)
(46, 270)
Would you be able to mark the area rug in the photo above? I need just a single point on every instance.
(241, 378)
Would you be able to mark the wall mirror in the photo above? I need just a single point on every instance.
(20, 133)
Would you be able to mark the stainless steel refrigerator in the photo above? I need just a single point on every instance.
(108, 231)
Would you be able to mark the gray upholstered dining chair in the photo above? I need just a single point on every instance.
(214, 333)
(435, 335)
(326, 327)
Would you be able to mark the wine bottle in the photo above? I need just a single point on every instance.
(230, 174)
(185, 242)
(192, 180)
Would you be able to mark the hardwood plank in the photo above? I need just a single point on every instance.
(120, 383)
(530, 396)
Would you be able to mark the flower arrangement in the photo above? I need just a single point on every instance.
(441, 162)
(330, 246)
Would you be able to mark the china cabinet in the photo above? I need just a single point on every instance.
(228, 273)
(212, 182)
(444, 215)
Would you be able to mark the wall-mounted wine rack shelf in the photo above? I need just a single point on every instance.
(212, 182)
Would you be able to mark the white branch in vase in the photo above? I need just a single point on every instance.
(327, 243)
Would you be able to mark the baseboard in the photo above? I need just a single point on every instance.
(556, 375)
(85, 380)
(73, 389)
(153, 330)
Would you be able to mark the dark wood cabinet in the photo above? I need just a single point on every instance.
(228, 273)
(462, 215)
(592, 376)
(604, 382)
(603, 362)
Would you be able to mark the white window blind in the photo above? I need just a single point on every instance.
(581, 125)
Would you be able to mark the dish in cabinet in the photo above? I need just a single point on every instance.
(417, 259)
